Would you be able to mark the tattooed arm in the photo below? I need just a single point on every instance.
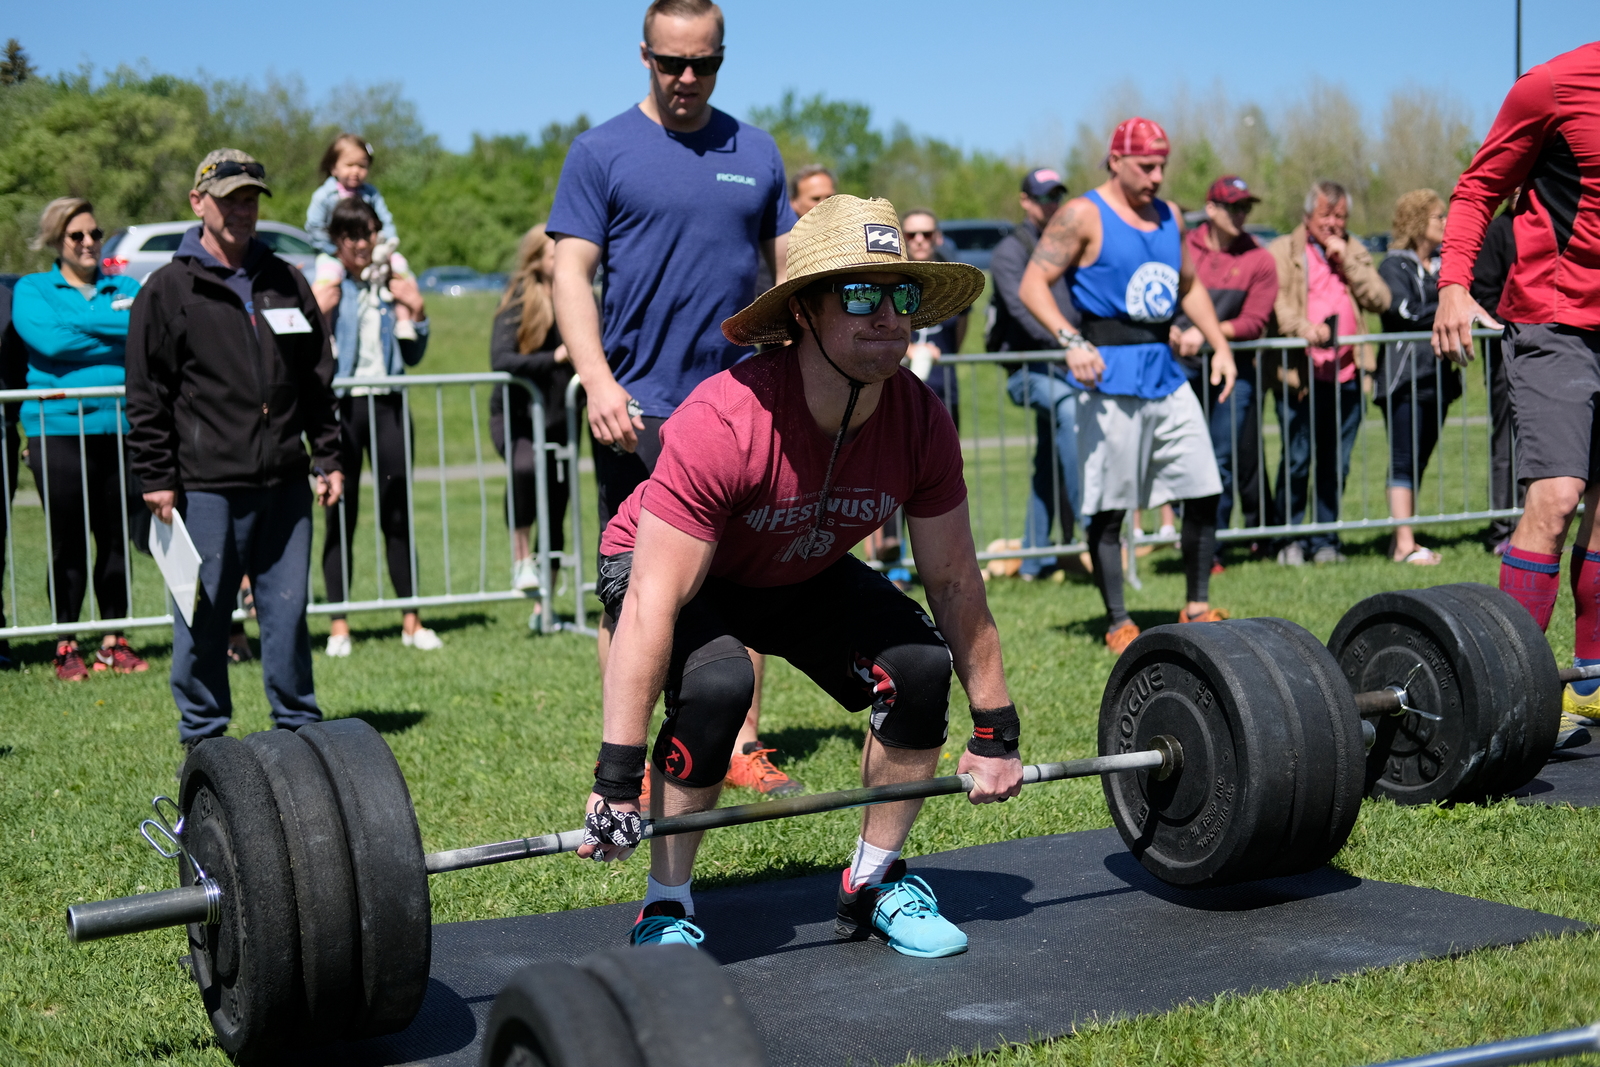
(1064, 241)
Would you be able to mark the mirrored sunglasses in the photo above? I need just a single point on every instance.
(229, 168)
(863, 298)
(702, 66)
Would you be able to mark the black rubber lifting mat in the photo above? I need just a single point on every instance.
(1064, 929)
(1571, 777)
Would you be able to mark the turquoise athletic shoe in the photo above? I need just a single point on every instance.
(665, 923)
(901, 910)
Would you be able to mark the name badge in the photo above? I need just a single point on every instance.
(122, 303)
(286, 320)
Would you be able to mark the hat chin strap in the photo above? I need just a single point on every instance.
(838, 438)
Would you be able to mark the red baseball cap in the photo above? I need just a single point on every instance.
(1231, 189)
(1139, 137)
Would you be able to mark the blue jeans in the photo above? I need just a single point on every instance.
(1056, 476)
(1234, 419)
(1332, 412)
(265, 533)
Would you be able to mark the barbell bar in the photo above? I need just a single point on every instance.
(1394, 700)
(199, 903)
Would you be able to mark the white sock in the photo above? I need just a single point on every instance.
(870, 865)
(655, 891)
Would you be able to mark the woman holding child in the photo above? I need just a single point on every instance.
(368, 344)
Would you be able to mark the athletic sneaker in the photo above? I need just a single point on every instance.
(900, 910)
(1328, 554)
(119, 658)
(1583, 710)
(751, 769)
(665, 923)
(1292, 555)
(69, 662)
(1572, 733)
(1121, 637)
(422, 638)
(338, 646)
(1209, 615)
(524, 575)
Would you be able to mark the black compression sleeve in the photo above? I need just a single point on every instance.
(619, 772)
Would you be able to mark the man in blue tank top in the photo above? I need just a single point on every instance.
(1142, 437)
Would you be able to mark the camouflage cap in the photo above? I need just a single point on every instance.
(227, 169)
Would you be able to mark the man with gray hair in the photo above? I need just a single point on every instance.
(1325, 281)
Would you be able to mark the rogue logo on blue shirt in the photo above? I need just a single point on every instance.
(740, 178)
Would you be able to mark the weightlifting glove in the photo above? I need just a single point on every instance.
(618, 829)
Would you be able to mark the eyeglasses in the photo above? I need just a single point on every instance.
(1054, 196)
(703, 66)
(926, 235)
(229, 168)
(79, 236)
(863, 298)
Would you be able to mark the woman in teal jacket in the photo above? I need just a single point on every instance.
(73, 321)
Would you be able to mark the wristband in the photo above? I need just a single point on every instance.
(995, 732)
(619, 772)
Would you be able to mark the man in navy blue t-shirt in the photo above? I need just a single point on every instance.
(678, 201)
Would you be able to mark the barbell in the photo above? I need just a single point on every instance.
(1229, 752)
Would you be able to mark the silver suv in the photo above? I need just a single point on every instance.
(139, 250)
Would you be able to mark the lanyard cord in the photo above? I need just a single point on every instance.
(838, 439)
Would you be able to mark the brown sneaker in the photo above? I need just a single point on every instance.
(753, 770)
(69, 662)
(1210, 615)
(1121, 637)
(120, 658)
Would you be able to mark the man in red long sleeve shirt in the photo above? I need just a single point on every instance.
(1546, 139)
(1242, 279)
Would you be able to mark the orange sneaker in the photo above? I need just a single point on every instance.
(644, 796)
(753, 770)
(1120, 638)
(1209, 615)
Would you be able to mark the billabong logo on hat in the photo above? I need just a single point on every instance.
(882, 238)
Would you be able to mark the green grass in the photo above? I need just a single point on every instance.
(496, 736)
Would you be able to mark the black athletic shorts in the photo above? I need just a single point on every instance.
(1553, 374)
(849, 629)
(618, 473)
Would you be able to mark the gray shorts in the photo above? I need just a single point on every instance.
(1139, 453)
(1553, 375)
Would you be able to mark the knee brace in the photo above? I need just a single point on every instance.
(704, 713)
(910, 693)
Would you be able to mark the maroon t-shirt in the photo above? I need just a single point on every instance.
(742, 463)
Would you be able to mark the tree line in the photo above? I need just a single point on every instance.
(129, 141)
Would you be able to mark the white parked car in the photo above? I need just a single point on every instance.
(139, 250)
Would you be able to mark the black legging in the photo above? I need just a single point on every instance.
(56, 460)
(525, 494)
(1199, 542)
(357, 428)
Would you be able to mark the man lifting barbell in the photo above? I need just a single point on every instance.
(769, 473)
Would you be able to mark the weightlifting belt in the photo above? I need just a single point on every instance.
(1123, 331)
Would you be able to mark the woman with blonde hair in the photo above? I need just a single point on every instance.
(526, 343)
(73, 321)
(1414, 389)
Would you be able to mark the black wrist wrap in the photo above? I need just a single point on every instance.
(995, 731)
(619, 772)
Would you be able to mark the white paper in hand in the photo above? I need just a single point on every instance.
(179, 561)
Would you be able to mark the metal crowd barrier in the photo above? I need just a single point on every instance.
(997, 438)
(429, 541)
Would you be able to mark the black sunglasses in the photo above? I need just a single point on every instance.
(702, 66)
(229, 168)
(1054, 196)
(863, 298)
(77, 236)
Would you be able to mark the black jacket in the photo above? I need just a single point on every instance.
(218, 401)
(1495, 259)
(1414, 299)
(1013, 327)
(540, 368)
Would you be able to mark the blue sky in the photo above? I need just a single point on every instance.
(1011, 77)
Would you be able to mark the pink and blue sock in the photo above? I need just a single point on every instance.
(1533, 579)
(1586, 630)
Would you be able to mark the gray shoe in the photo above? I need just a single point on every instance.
(1292, 555)
(1328, 554)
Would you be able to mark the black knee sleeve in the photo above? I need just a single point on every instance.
(704, 713)
(911, 694)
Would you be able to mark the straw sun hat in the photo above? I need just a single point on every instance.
(847, 235)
